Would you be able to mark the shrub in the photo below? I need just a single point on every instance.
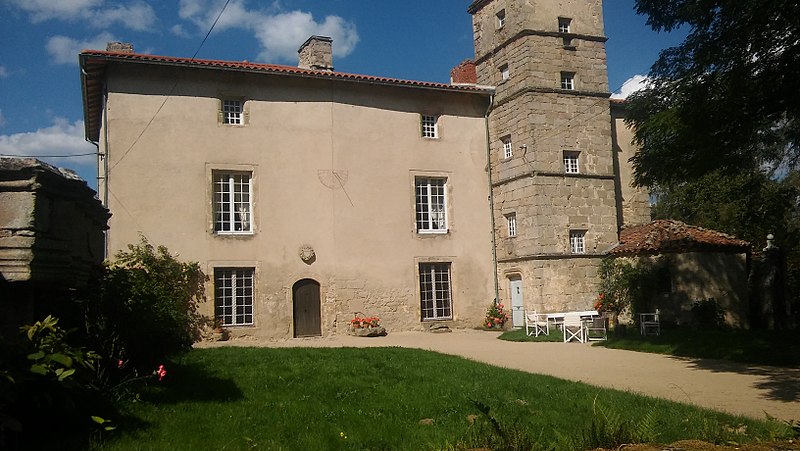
(146, 307)
(707, 315)
(47, 385)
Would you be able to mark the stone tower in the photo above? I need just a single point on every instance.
(552, 165)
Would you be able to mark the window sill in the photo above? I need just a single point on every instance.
(234, 234)
(433, 232)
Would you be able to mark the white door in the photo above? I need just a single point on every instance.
(517, 305)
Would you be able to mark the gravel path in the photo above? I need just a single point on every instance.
(754, 391)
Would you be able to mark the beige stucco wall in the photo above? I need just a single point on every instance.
(333, 168)
(635, 202)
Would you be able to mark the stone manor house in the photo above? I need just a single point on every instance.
(308, 195)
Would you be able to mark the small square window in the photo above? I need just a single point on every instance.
(568, 80)
(571, 162)
(577, 241)
(232, 112)
(564, 24)
(501, 18)
(511, 221)
(504, 74)
(430, 126)
(508, 148)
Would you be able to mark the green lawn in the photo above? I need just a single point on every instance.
(376, 399)
(778, 348)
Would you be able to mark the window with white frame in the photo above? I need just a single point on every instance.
(434, 291)
(508, 150)
(233, 202)
(232, 112)
(511, 221)
(564, 24)
(568, 80)
(430, 127)
(501, 18)
(577, 241)
(571, 162)
(504, 74)
(431, 204)
(233, 296)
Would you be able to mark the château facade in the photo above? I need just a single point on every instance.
(310, 195)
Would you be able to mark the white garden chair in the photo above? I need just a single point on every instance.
(536, 324)
(574, 328)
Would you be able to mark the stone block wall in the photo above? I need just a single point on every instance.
(552, 285)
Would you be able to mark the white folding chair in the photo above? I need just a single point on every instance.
(649, 323)
(574, 328)
(536, 324)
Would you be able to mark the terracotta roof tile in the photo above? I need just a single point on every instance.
(272, 68)
(663, 236)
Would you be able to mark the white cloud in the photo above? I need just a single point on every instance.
(3, 72)
(178, 30)
(64, 50)
(41, 10)
(137, 15)
(61, 138)
(280, 33)
(631, 85)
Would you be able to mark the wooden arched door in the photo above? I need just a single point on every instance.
(307, 311)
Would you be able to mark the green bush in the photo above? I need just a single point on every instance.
(707, 315)
(146, 307)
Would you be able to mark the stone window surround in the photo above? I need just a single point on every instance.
(244, 118)
(211, 169)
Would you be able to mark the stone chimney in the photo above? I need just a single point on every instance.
(464, 74)
(119, 47)
(316, 54)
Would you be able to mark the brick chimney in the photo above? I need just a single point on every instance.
(119, 47)
(464, 74)
(316, 54)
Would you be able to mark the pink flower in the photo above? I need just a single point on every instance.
(120, 363)
(161, 372)
(500, 305)
(497, 320)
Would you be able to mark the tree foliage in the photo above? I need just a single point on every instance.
(747, 205)
(727, 99)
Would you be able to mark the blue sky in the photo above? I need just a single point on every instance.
(40, 95)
